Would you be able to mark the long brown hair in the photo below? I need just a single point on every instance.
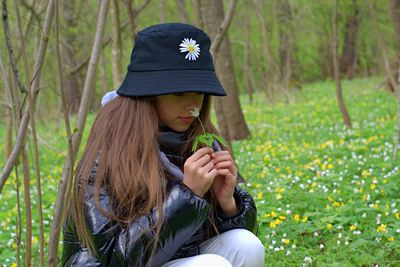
(123, 148)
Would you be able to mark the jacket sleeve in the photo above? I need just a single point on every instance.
(246, 216)
(131, 245)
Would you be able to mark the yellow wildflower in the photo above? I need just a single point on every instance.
(259, 195)
(390, 239)
(273, 214)
(353, 227)
(382, 228)
(330, 166)
(272, 224)
(337, 204)
(329, 226)
(285, 241)
(305, 218)
(297, 217)
(397, 215)
(267, 215)
(373, 186)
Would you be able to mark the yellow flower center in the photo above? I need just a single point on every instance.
(191, 48)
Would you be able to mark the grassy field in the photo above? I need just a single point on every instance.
(326, 195)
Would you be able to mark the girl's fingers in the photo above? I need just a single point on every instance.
(208, 167)
(202, 161)
(199, 154)
(223, 172)
(223, 164)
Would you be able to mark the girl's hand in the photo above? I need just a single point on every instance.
(199, 172)
(225, 181)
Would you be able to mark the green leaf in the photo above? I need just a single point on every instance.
(195, 144)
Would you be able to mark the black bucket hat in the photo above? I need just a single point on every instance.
(171, 58)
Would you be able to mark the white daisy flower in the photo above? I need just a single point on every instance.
(190, 45)
(195, 112)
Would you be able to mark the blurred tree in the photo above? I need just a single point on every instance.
(72, 82)
(116, 44)
(268, 64)
(247, 73)
(230, 117)
(286, 46)
(339, 91)
(348, 61)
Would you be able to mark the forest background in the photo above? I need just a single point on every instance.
(280, 61)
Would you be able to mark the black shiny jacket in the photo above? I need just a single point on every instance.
(184, 226)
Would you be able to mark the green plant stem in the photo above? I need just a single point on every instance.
(201, 124)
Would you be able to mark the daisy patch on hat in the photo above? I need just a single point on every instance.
(190, 46)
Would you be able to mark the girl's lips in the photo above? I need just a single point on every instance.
(186, 119)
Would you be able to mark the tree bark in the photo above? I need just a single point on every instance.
(72, 82)
(246, 57)
(20, 140)
(64, 185)
(348, 62)
(394, 10)
(284, 19)
(229, 113)
(182, 11)
(339, 92)
(116, 44)
(162, 11)
(269, 66)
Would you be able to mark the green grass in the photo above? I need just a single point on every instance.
(326, 195)
(323, 191)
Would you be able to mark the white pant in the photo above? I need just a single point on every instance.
(234, 248)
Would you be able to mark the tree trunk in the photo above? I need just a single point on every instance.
(348, 62)
(284, 19)
(72, 82)
(162, 11)
(229, 113)
(394, 10)
(246, 57)
(182, 11)
(268, 67)
(116, 44)
(65, 182)
(103, 74)
(132, 18)
(339, 92)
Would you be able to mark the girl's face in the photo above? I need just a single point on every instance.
(174, 110)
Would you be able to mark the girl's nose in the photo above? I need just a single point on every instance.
(193, 100)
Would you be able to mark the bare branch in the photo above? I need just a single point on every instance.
(223, 28)
(76, 138)
(7, 36)
(142, 7)
(84, 62)
(35, 90)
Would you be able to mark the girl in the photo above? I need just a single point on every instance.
(141, 197)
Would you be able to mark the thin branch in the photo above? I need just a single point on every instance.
(76, 138)
(35, 90)
(223, 28)
(7, 37)
(142, 7)
(84, 62)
